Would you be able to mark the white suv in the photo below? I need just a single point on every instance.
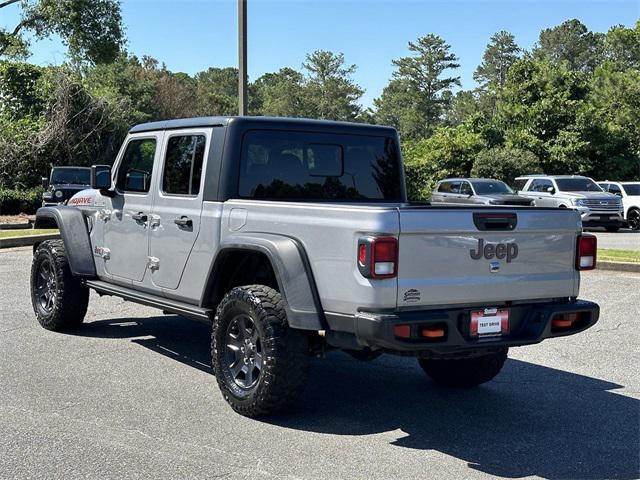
(597, 208)
(630, 194)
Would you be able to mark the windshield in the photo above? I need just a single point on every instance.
(632, 188)
(491, 187)
(577, 185)
(68, 176)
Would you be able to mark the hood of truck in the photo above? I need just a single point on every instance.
(589, 195)
(444, 259)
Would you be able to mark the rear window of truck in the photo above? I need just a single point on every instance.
(281, 165)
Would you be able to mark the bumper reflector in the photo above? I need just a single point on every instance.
(402, 331)
(565, 321)
(432, 332)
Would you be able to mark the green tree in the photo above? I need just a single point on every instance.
(501, 52)
(450, 151)
(91, 29)
(418, 94)
(538, 110)
(504, 163)
(217, 91)
(622, 46)
(280, 94)
(331, 93)
(572, 43)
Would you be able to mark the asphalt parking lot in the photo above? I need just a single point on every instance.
(624, 239)
(131, 395)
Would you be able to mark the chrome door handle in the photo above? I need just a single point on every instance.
(139, 217)
(183, 222)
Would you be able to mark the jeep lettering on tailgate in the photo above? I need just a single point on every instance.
(497, 250)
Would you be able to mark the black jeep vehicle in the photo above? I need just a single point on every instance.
(64, 183)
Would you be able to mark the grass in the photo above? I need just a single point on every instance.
(26, 232)
(613, 255)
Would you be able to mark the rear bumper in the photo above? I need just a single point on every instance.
(529, 324)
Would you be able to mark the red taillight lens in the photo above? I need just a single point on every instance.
(586, 252)
(378, 257)
(385, 257)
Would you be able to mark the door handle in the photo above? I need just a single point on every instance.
(183, 222)
(139, 217)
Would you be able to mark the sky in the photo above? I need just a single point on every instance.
(192, 35)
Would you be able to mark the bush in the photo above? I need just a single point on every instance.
(450, 151)
(504, 163)
(14, 202)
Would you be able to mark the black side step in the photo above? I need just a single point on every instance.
(172, 306)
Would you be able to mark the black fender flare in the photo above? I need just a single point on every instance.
(293, 274)
(75, 236)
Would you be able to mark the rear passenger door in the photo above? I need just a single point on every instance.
(175, 218)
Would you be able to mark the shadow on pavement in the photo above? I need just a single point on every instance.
(531, 420)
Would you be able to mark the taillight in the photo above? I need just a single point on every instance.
(586, 250)
(378, 257)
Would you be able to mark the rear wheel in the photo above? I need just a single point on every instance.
(467, 372)
(633, 219)
(260, 363)
(59, 299)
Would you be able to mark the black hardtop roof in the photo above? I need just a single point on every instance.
(266, 122)
(70, 166)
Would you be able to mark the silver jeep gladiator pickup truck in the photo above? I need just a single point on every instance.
(293, 237)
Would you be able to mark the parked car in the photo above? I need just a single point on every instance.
(63, 183)
(630, 194)
(597, 208)
(482, 191)
(295, 236)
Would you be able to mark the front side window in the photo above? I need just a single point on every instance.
(134, 173)
(455, 187)
(540, 185)
(319, 166)
(183, 165)
(465, 189)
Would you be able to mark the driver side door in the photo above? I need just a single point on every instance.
(126, 230)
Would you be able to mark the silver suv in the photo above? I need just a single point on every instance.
(597, 208)
(479, 191)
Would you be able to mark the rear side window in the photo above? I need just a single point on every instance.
(317, 166)
(134, 174)
(183, 165)
(518, 185)
(445, 187)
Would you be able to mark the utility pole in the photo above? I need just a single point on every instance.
(242, 57)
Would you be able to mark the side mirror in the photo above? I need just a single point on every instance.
(551, 190)
(101, 177)
(45, 182)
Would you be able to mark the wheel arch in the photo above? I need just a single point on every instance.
(75, 236)
(292, 275)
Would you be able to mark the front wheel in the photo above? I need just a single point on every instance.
(59, 299)
(259, 362)
(633, 219)
(467, 372)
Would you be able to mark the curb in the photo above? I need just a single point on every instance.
(618, 266)
(16, 226)
(26, 240)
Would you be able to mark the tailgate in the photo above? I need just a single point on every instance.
(450, 256)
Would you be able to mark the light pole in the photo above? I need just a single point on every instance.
(242, 57)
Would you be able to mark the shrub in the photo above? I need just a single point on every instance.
(14, 201)
(504, 163)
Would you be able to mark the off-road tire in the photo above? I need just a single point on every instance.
(285, 352)
(465, 373)
(68, 303)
